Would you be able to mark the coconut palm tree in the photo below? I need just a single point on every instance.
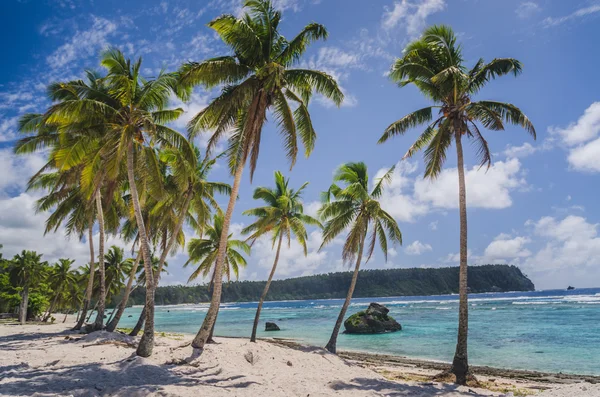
(434, 64)
(26, 271)
(258, 76)
(355, 208)
(204, 251)
(60, 278)
(117, 268)
(131, 119)
(282, 216)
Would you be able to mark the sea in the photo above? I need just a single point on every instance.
(551, 331)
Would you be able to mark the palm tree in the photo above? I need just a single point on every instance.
(205, 252)
(282, 216)
(117, 268)
(130, 117)
(61, 277)
(435, 65)
(257, 77)
(357, 210)
(26, 271)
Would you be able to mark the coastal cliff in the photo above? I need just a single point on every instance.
(371, 283)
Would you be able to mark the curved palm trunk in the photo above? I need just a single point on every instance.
(264, 294)
(118, 312)
(140, 323)
(92, 312)
(460, 364)
(23, 305)
(52, 305)
(88, 291)
(99, 323)
(211, 315)
(168, 247)
(254, 122)
(332, 344)
(147, 343)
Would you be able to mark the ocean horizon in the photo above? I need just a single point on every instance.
(550, 331)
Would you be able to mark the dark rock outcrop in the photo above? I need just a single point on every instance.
(271, 327)
(374, 320)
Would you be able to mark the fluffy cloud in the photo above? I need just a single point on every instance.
(417, 248)
(412, 15)
(86, 42)
(527, 9)
(504, 248)
(489, 189)
(570, 252)
(397, 198)
(582, 141)
(16, 171)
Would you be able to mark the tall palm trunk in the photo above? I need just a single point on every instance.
(52, 305)
(118, 312)
(460, 364)
(23, 305)
(264, 294)
(66, 314)
(332, 344)
(147, 343)
(90, 286)
(99, 323)
(254, 122)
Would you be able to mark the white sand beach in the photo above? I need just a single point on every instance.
(51, 360)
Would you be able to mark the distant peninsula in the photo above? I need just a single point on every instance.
(371, 283)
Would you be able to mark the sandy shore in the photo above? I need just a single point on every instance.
(50, 360)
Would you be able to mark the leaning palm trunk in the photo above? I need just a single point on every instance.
(118, 312)
(211, 315)
(254, 122)
(92, 312)
(265, 291)
(460, 364)
(140, 323)
(147, 342)
(23, 305)
(99, 323)
(332, 344)
(52, 305)
(166, 249)
(88, 291)
(66, 314)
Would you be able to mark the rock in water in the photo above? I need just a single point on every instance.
(374, 320)
(271, 327)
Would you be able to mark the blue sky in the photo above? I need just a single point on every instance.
(536, 207)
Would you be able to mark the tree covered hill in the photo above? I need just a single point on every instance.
(371, 283)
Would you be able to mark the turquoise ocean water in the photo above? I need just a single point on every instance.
(555, 331)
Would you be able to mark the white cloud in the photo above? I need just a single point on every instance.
(397, 198)
(527, 9)
(8, 128)
(312, 207)
(579, 13)
(412, 15)
(570, 254)
(417, 248)
(433, 225)
(86, 43)
(581, 139)
(504, 248)
(491, 189)
(524, 150)
(16, 170)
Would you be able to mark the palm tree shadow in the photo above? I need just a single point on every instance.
(394, 389)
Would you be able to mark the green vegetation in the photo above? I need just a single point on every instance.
(115, 165)
(371, 283)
